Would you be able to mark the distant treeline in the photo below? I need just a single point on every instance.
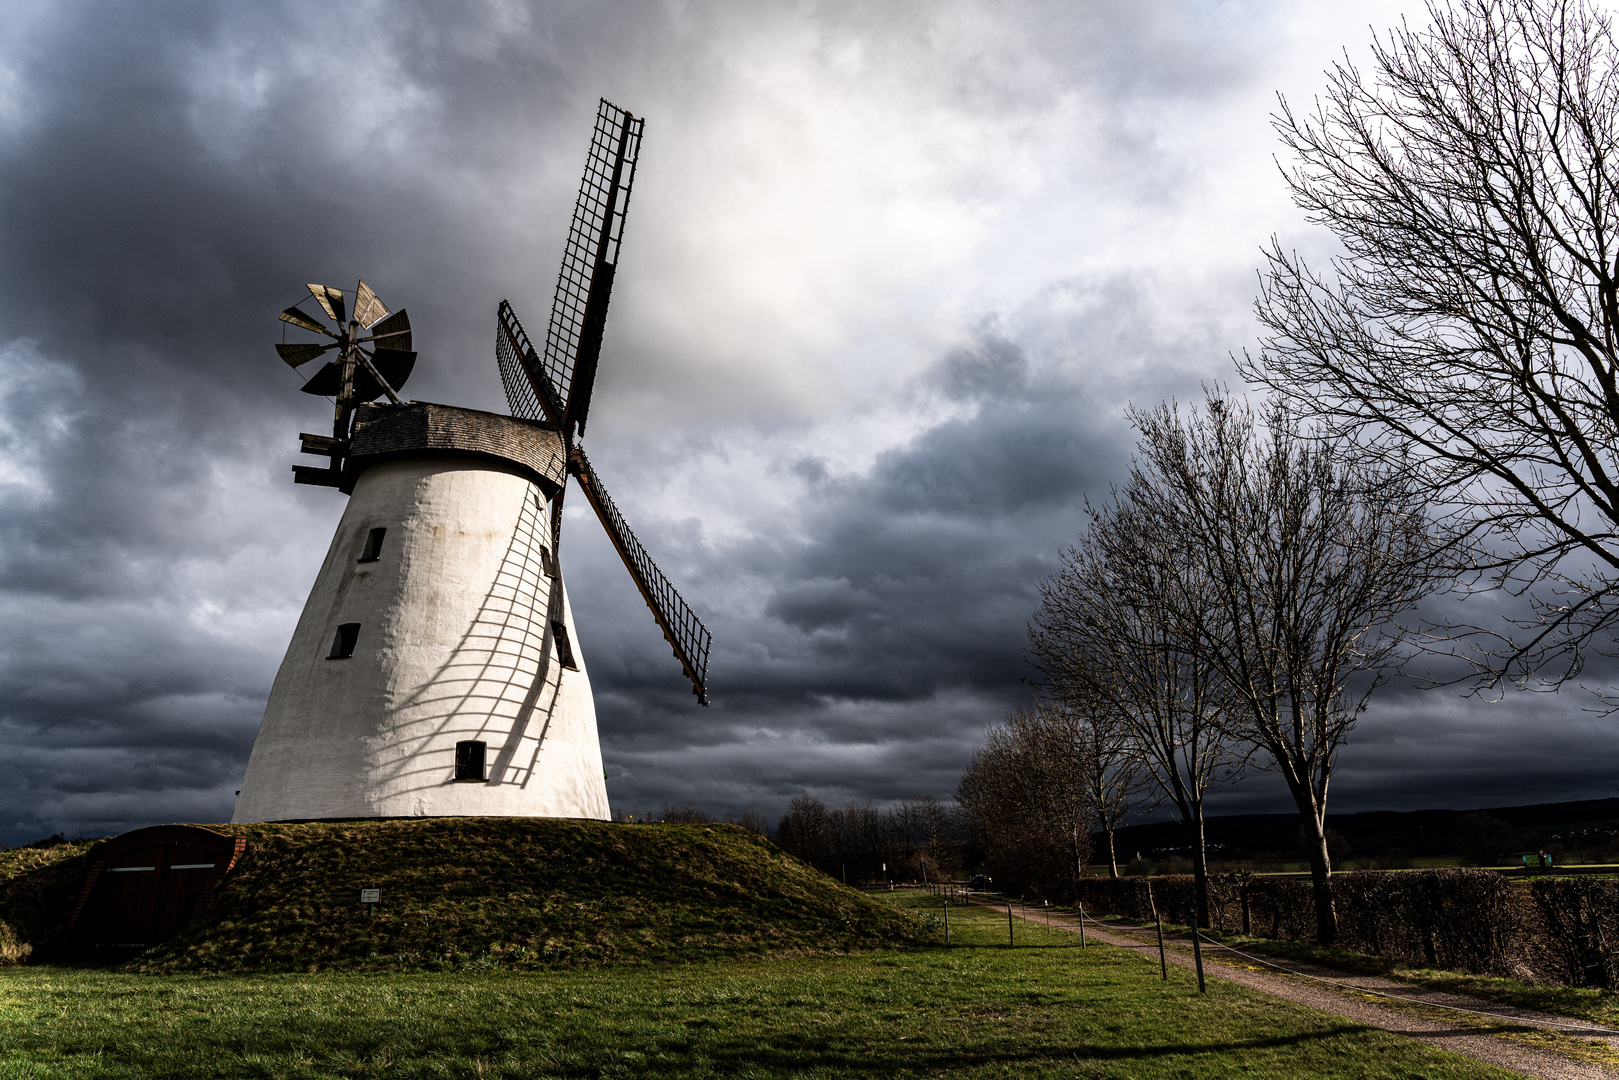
(690, 814)
(918, 840)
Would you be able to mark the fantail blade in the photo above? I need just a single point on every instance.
(394, 365)
(330, 300)
(327, 382)
(299, 319)
(392, 332)
(299, 355)
(368, 308)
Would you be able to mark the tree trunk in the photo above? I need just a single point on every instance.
(1200, 865)
(1326, 915)
(1081, 853)
(1112, 855)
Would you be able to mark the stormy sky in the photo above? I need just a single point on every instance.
(891, 275)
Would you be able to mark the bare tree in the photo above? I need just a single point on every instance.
(751, 820)
(805, 830)
(1024, 801)
(1113, 778)
(1470, 329)
(1305, 554)
(862, 838)
(859, 843)
(1103, 635)
(927, 830)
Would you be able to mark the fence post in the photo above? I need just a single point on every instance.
(1082, 926)
(1197, 953)
(1011, 942)
(1163, 965)
(947, 920)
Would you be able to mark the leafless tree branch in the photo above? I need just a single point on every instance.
(1470, 331)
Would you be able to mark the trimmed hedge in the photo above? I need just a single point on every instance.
(1462, 920)
(1580, 931)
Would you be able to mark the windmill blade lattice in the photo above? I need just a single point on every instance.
(555, 385)
(685, 632)
(530, 391)
(589, 261)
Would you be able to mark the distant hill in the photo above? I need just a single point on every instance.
(1414, 832)
(482, 893)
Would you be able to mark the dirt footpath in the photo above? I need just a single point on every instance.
(1471, 1036)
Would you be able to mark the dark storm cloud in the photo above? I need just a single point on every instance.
(856, 473)
(170, 174)
(891, 629)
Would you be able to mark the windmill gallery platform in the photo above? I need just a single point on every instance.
(433, 672)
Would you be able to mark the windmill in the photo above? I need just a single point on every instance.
(433, 671)
(556, 386)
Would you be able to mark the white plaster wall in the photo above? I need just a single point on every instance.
(455, 644)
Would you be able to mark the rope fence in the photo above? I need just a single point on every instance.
(1585, 1027)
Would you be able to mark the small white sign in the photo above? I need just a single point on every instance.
(370, 896)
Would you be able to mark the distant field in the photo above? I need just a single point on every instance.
(1299, 869)
(979, 1009)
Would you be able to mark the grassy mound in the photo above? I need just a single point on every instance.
(516, 893)
(38, 885)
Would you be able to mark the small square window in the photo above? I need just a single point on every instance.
(564, 646)
(547, 563)
(343, 643)
(469, 760)
(373, 546)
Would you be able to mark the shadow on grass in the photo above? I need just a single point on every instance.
(1000, 947)
(796, 1052)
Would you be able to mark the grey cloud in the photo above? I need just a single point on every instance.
(898, 598)
(171, 173)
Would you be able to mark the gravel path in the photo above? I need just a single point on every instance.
(1470, 1037)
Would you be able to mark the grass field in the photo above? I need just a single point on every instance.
(978, 1009)
(1598, 1006)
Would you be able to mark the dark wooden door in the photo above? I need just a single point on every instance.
(149, 885)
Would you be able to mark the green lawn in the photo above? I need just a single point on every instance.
(979, 1009)
(1598, 1006)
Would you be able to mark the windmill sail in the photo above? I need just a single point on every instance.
(681, 626)
(555, 385)
(530, 392)
(585, 283)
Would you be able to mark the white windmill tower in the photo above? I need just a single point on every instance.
(435, 670)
